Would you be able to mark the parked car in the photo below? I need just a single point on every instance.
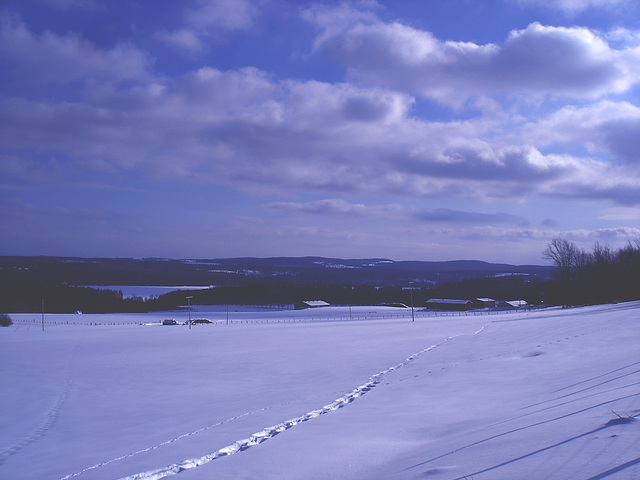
(169, 321)
(201, 321)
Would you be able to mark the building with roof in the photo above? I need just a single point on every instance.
(484, 303)
(310, 304)
(512, 304)
(449, 304)
(393, 304)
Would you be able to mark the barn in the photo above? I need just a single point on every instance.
(513, 304)
(484, 303)
(393, 304)
(310, 304)
(449, 304)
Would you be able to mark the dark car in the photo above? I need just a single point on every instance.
(201, 321)
(169, 321)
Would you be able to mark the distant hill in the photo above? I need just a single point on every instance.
(377, 272)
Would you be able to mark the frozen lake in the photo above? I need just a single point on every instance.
(550, 394)
(146, 291)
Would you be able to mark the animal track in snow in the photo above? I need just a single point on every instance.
(168, 442)
(270, 432)
(50, 418)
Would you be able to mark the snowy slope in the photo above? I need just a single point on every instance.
(552, 394)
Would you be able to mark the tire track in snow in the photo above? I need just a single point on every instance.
(270, 432)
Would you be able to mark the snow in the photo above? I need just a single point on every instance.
(548, 394)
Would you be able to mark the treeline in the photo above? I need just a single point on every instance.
(604, 275)
(510, 287)
(281, 294)
(247, 271)
(18, 297)
(29, 298)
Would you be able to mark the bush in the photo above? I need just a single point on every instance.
(5, 320)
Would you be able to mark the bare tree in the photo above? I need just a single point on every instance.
(599, 277)
(603, 255)
(567, 257)
(629, 256)
(571, 262)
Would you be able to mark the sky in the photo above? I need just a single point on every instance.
(409, 130)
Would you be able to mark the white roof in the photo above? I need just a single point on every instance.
(316, 303)
(447, 300)
(517, 303)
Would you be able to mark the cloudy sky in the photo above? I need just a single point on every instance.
(405, 129)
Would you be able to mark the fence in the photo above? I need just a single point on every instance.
(275, 316)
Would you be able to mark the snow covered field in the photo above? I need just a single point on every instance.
(552, 394)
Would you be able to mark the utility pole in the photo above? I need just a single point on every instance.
(43, 314)
(189, 308)
(411, 293)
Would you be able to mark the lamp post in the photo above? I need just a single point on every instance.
(411, 293)
(189, 308)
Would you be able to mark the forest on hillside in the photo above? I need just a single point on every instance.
(16, 298)
(604, 275)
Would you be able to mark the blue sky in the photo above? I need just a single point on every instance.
(422, 130)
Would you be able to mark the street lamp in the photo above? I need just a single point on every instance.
(189, 308)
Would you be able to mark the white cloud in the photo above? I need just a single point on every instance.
(571, 6)
(340, 208)
(622, 214)
(182, 39)
(446, 215)
(586, 238)
(623, 37)
(246, 129)
(603, 127)
(226, 14)
(535, 61)
(208, 17)
(337, 18)
(49, 57)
